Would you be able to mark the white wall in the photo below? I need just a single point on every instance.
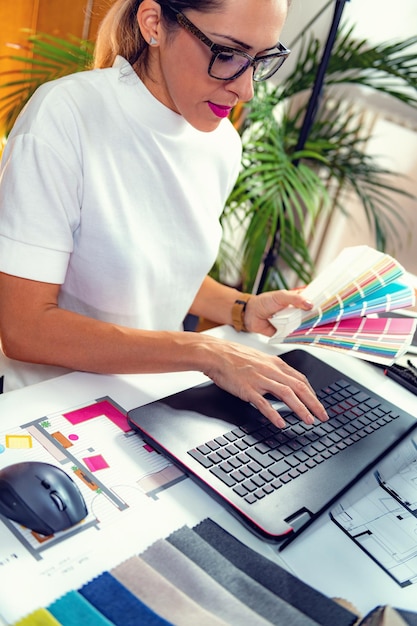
(394, 135)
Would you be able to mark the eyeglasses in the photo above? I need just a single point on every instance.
(229, 63)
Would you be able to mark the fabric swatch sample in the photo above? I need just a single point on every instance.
(245, 588)
(202, 588)
(40, 617)
(408, 616)
(72, 609)
(161, 595)
(116, 603)
(275, 578)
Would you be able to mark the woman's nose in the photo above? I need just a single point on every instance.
(243, 85)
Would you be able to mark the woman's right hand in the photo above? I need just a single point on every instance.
(251, 374)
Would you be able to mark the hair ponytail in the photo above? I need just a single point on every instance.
(119, 33)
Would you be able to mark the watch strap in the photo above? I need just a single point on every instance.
(238, 312)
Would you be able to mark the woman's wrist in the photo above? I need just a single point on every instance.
(238, 312)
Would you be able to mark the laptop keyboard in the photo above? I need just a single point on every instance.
(257, 459)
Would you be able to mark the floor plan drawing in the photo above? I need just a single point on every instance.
(380, 513)
(94, 444)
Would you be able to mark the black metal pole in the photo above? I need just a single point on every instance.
(311, 111)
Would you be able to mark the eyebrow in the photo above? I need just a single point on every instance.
(240, 43)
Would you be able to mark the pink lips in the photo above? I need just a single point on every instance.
(220, 111)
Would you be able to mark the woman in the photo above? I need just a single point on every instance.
(113, 181)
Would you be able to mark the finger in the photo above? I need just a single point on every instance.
(296, 391)
(302, 400)
(285, 298)
(267, 409)
(275, 417)
(291, 372)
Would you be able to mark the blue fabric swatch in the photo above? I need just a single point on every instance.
(118, 604)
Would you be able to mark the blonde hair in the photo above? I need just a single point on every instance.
(119, 33)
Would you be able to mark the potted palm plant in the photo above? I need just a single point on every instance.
(281, 190)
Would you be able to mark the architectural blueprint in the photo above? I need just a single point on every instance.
(380, 513)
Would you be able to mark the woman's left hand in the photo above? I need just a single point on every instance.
(263, 306)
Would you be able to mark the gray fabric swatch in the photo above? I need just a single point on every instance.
(311, 602)
(202, 588)
(245, 588)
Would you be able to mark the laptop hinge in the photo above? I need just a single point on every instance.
(299, 519)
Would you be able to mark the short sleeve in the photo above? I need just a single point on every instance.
(40, 189)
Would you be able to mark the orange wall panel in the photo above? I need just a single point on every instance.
(56, 17)
(14, 16)
(61, 18)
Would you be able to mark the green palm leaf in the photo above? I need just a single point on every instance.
(49, 58)
(279, 190)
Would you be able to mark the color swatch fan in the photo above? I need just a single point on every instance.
(361, 281)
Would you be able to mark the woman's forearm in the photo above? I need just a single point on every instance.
(214, 301)
(34, 329)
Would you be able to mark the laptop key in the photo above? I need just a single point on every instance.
(234, 462)
(215, 458)
(258, 481)
(263, 459)
(279, 468)
(212, 445)
(240, 490)
(222, 441)
(205, 461)
(232, 449)
(223, 453)
(255, 467)
(267, 476)
(238, 476)
(246, 471)
(226, 478)
(249, 485)
(227, 467)
(292, 461)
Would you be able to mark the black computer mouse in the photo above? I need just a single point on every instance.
(41, 497)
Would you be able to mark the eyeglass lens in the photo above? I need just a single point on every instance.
(227, 65)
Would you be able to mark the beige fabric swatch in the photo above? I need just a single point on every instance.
(161, 596)
(202, 588)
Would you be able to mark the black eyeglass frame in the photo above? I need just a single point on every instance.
(217, 49)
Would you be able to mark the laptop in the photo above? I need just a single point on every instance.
(275, 481)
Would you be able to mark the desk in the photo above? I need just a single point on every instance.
(322, 556)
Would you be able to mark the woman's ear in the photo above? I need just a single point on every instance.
(149, 20)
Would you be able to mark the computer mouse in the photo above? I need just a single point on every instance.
(41, 497)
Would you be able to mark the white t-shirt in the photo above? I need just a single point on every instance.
(109, 193)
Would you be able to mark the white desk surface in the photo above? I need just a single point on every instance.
(322, 556)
